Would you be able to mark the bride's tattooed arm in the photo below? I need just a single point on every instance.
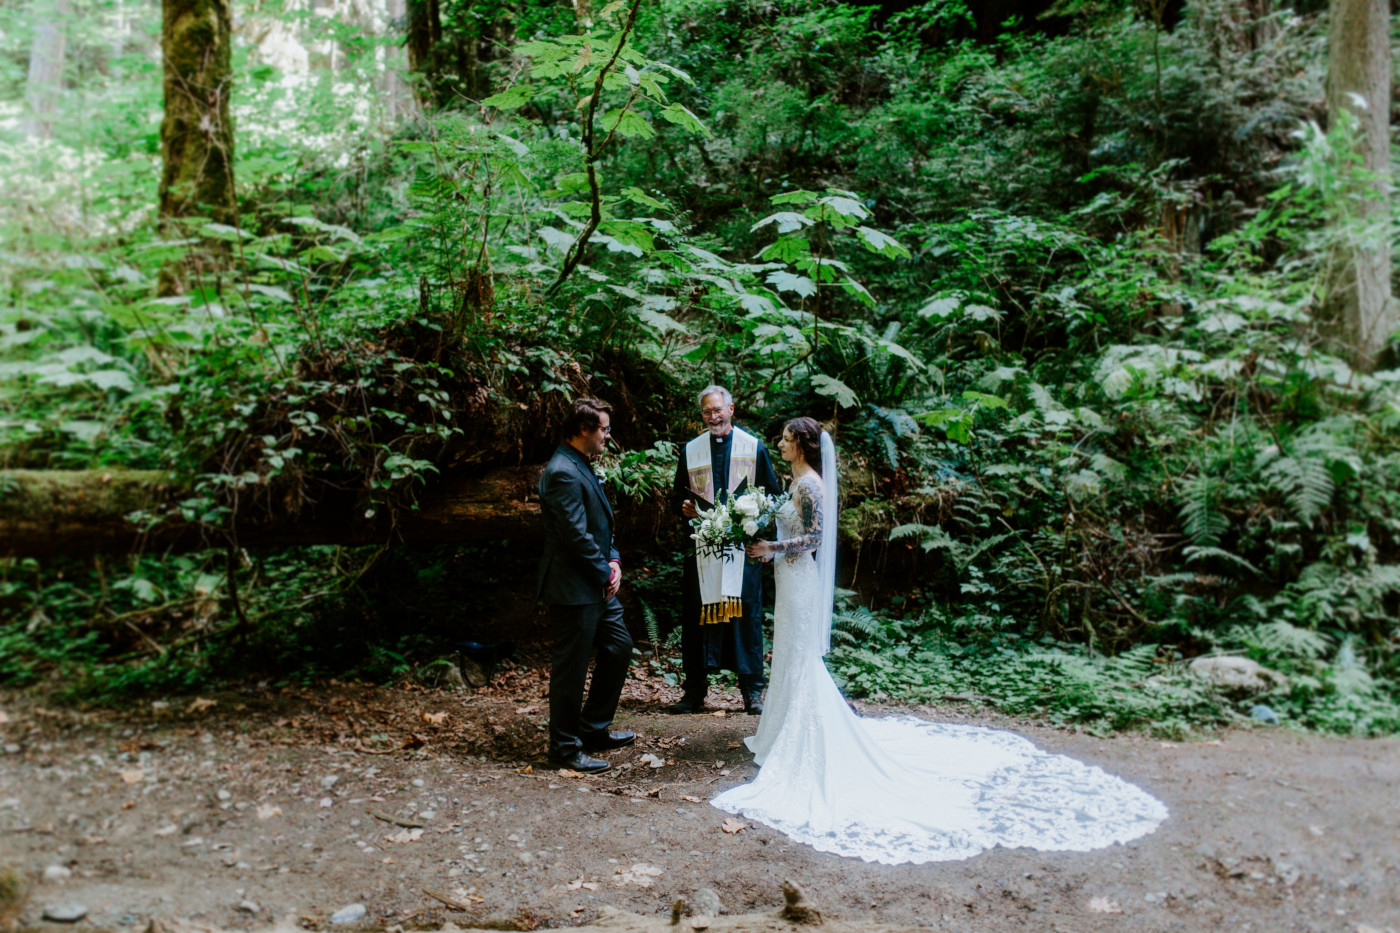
(807, 498)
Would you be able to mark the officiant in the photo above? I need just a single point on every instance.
(722, 608)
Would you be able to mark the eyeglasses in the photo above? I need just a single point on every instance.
(711, 412)
(606, 430)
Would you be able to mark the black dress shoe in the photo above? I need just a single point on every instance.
(602, 741)
(579, 762)
(686, 705)
(753, 703)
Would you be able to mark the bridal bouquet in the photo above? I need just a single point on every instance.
(737, 522)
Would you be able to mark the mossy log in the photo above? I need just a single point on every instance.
(78, 513)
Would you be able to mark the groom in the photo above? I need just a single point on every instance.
(580, 572)
(720, 629)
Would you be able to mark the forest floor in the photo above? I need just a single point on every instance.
(243, 809)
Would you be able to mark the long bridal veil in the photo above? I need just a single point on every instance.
(826, 553)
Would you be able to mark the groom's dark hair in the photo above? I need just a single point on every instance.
(584, 417)
(807, 432)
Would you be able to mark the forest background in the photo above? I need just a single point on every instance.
(1094, 296)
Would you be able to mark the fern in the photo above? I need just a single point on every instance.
(1280, 640)
(1194, 554)
(1137, 662)
(931, 537)
(854, 624)
(1200, 517)
(1306, 475)
(653, 626)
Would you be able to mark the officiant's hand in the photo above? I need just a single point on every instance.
(689, 509)
(614, 580)
(761, 550)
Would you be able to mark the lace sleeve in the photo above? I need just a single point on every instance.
(807, 498)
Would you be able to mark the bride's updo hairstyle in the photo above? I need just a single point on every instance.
(808, 435)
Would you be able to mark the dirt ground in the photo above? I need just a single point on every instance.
(245, 809)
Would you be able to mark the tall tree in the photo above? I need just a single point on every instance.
(196, 136)
(1360, 311)
(46, 56)
(423, 40)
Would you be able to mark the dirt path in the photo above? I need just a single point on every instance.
(241, 809)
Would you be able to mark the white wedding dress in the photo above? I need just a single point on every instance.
(900, 789)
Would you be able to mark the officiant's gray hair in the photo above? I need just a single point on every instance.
(721, 391)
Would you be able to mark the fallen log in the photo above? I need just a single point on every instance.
(79, 513)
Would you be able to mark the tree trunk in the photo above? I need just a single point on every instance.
(1359, 311)
(46, 56)
(196, 136)
(423, 40)
(78, 513)
(394, 90)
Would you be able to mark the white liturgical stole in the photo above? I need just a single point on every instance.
(721, 575)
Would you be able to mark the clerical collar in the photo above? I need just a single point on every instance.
(724, 439)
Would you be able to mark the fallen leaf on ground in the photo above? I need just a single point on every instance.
(404, 835)
(528, 769)
(652, 761)
(581, 885)
(463, 896)
(569, 773)
(169, 829)
(267, 811)
(691, 799)
(436, 719)
(133, 777)
(732, 825)
(732, 745)
(1102, 905)
(200, 704)
(718, 714)
(639, 874)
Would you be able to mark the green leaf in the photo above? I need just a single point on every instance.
(845, 396)
(679, 115)
(862, 294)
(755, 304)
(787, 249)
(788, 282)
(985, 400)
(629, 233)
(641, 197)
(272, 291)
(941, 307)
(787, 222)
(661, 322)
(511, 98)
(883, 244)
(111, 379)
(795, 197)
(628, 123)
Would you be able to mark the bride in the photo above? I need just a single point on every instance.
(895, 789)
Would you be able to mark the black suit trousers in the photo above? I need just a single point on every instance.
(577, 631)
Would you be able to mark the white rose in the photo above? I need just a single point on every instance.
(750, 528)
(747, 504)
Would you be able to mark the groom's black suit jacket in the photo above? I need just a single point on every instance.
(578, 532)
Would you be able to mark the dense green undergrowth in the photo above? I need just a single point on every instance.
(1054, 294)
